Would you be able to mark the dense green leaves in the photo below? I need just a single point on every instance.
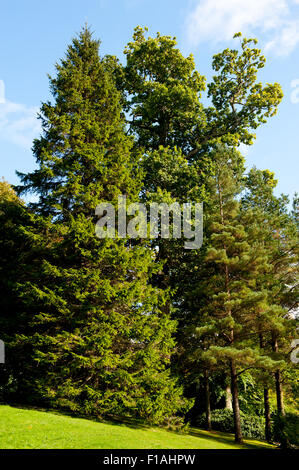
(111, 326)
(98, 337)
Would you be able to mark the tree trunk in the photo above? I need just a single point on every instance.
(208, 403)
(234, 377)
(278, 385)
(279, 393)
(266, 403)
(284, 442)
(236, 406)
(228, 398)
(267, 415)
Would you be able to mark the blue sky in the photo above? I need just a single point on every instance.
(34, 35)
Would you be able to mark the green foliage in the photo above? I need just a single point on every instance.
(7, 194)
(97, 323)
(240, 104)
(222, 420)
(21, 249)
(234, 256)
(83, 155)
(286, 429)
(163, 90)
(96, 339)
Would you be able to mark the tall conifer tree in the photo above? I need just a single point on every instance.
(99, 339)
(279, 232)
(235, 307)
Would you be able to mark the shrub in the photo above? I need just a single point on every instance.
(286, 429)
(223, 420)
(175, 423)
(253, 426)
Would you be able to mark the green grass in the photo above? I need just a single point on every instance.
(31, 429)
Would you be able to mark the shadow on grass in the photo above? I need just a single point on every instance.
(226, 438)
(113, 420)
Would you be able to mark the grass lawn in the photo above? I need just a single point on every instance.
(31, 429)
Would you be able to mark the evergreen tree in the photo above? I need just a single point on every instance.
(100, 342)
(234, 308)
(280, 238)
(91, 321)
(21, 249)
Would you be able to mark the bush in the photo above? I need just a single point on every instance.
(223, 420)
(286, 429)
(175, 423)
(253, 426)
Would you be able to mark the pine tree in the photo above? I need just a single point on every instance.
(235, 308)
(280, 239)
(100, 342)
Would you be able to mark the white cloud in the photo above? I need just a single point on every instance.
(286, 39)
(18, 123)
(218, 20)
